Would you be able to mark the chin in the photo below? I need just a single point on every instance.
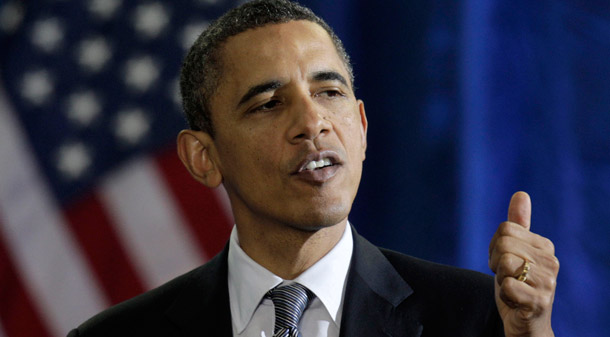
(321, 217)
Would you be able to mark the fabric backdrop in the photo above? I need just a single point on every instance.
(467, 101)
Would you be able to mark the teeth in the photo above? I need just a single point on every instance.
(320, 163)
(311, 165)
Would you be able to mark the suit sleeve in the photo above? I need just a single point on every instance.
(494, 325)
(73, 333)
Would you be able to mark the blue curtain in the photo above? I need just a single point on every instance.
(471, 101)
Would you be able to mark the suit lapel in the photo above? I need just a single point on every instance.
(202, 308)
(373, 294)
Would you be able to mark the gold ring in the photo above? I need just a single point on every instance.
(526, 269)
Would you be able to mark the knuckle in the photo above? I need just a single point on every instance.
(502, 243)
(552, 263)
(555, 265)
(552, 283)
(506, 298)
(548, 245)
(545, 302)
(502, 227)
(500, 269)
(507, 285)
(506, 228)
(527, 313)
(505, 260)
(492, 246)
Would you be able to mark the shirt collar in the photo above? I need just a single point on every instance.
(326, 278)
(249, 281)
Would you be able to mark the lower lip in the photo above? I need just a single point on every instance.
(318, 176)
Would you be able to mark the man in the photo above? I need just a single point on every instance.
(269, 97)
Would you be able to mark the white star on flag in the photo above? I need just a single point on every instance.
(132, 125)
(94, 53)
(73, 160)
(47, 34)
(150, 20)
(37, 86)
(83, 107)
(141, 73)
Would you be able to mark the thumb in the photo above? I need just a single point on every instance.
(520, 209)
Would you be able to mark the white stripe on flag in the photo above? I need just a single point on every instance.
(53, 269)
(149, 223)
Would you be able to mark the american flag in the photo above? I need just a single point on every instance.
(95, 206)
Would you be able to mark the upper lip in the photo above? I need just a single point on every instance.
(315, 156)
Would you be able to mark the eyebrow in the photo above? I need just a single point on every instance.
(319, 76)
(259, 89)
(329, 75)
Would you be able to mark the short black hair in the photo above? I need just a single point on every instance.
(201, 69)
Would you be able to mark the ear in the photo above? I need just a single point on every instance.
(197, 152)
(364, 124)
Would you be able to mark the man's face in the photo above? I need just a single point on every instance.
(283, 107)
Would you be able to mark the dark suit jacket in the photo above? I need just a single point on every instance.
(387, 294)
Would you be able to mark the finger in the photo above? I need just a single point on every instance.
(510, 265)
(517, 294)
(520, 209)
(510, 245)
(517, 231)
(530, 301)
(542, 273)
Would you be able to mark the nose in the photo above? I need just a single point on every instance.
(309, 121)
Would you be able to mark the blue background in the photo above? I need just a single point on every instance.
(471, 101)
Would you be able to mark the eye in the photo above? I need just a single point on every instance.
(331, 93)
(267, 106)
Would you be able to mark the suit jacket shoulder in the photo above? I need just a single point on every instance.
(414, 297)
(194, 302)
(450, 299)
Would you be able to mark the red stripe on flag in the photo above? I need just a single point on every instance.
(99, 241)
(19, 316)
(199, 204)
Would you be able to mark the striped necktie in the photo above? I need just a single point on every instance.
(290, 301)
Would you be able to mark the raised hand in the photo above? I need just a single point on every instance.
(524, 297)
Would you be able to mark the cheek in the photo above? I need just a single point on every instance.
(348, 121)
(345, 113)
(348, 129)
(248, 156)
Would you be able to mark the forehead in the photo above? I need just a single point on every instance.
(277, 52)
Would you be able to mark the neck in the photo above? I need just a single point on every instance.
(286, 251)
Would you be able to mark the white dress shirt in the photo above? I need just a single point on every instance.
(253, 315)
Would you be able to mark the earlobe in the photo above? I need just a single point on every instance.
(364, 124)
(197, 153)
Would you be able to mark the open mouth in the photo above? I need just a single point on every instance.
(318, 160)
(319, 167)
(318, 164)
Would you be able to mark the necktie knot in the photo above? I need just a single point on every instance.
(290, 302)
